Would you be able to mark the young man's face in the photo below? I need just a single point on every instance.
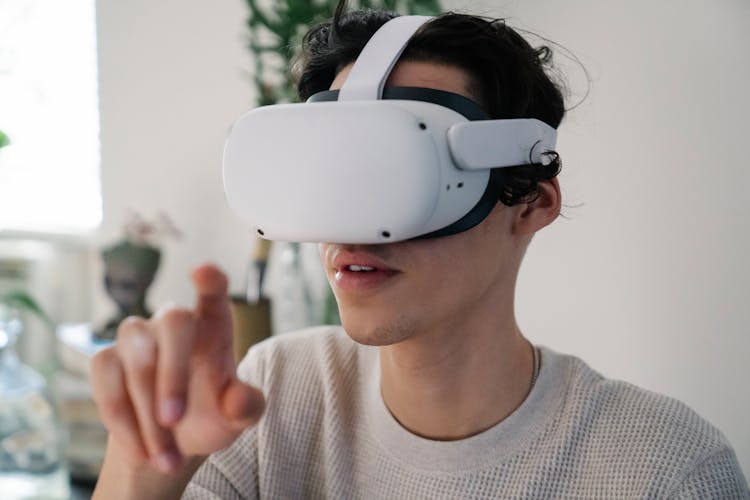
(391, 292)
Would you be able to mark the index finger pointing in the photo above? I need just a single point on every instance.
(211, 285)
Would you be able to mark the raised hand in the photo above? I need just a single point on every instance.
(167, 389)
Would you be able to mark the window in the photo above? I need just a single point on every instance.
(49, 174)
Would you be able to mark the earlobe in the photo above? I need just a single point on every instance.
(540, 212)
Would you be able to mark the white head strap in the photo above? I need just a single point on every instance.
(367, 77)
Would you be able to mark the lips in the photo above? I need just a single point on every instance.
(359, 270)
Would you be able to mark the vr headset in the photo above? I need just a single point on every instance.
(366, 165)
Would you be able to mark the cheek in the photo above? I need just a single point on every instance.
(453, 281)
(442, 271)
(461, 269)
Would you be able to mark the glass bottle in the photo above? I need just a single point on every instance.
(31, 437)
(293, 307)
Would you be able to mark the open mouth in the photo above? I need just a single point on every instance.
(356, 270)
(362, 277)
(359, 269)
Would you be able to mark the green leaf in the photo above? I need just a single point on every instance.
(24, 301)
(277, 27)
(4, 141)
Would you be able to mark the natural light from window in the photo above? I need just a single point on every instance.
(49, 174)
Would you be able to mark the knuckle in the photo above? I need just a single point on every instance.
(176, 320)
(132, 325)
(132, 322)
(138, 351)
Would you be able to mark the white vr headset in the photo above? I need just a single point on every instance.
(371, 165)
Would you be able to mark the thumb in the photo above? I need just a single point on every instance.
(242, 404)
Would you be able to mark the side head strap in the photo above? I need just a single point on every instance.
(479, 145)
(374, 64)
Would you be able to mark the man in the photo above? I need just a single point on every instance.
(429, 390)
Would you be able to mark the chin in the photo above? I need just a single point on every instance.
(378, 331)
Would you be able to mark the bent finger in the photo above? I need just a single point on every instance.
(138, 351)
(175, 330)
(114, 405)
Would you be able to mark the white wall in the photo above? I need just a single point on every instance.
(173, 77)
(647, 280)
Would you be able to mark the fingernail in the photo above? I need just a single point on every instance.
(171, 410)
(168, 461)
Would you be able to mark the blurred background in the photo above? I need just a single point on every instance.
(118, 111)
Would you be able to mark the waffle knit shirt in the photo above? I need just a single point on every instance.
(327, 433)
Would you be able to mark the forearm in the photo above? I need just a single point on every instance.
(119, 480)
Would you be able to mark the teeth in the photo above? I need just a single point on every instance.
(360, 268)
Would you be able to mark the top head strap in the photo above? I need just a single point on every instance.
(367, 77)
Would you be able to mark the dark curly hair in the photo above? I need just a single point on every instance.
(509, 78)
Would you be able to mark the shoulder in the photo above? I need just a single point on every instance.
(638, 413)
(637, 429)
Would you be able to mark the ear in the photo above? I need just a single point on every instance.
(533, 216)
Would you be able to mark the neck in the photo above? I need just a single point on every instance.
(459, 381)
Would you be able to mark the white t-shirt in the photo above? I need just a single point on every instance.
(326, 433)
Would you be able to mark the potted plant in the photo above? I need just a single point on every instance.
(277, 27)
(130, 266)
